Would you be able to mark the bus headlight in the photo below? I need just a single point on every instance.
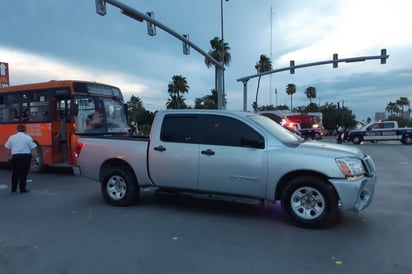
(350, 166)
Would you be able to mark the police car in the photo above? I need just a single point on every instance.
(381, 131)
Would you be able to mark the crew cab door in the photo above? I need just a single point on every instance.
(381, 131)
(174, 153)
(232, 157)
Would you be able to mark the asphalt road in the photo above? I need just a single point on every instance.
(63, 226)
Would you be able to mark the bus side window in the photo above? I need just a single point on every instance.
(26, 115)
(14, 115)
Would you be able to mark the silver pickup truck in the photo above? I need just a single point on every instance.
(236, 154)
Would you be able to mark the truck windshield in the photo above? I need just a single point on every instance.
(100, 115)
(284, 135)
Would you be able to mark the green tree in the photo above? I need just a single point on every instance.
(263, 65)
(290, 90)
(266, 107)
(282, 107)
(312, 107)
(310, 93)
(134, 107)
(176, 88)
(332, 116)
(137, 115)
(207, 102)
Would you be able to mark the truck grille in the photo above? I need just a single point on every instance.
(369, 166)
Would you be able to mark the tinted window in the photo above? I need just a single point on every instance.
(226, 131)
(180, 129)
(389, 125)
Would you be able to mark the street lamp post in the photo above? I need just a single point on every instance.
(222, 55)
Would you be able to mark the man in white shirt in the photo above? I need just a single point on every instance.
(22, 148)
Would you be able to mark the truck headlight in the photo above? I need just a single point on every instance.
(350, 166)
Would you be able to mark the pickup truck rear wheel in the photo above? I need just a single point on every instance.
(356, 139)
(310, 202)
(119, 187)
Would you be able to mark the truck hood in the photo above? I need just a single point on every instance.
(336, 150)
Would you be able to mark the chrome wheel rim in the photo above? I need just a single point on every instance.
(116, 187)
(307, 203)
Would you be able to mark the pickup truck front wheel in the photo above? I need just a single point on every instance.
(119, 187)
(310, 202)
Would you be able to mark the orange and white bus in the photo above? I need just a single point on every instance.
(55, 113)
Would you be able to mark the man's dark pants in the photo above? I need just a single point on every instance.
(20, 165)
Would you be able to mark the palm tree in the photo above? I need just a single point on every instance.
(391, 108)
(290, 90)
(176, 88)
(134, 107)
(310, 93)
(220, 52)
(207, 102)
(176, 102)
(402, 102)
(263, 65)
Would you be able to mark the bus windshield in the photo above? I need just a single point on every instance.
(97, 115)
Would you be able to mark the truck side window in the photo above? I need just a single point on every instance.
(179, 129)
(225, 131)
(389, 125)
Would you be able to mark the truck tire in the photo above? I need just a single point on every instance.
(356, 139)
(406, 139)
(119, 187)
(310, 202)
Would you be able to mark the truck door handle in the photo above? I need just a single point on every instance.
(159, 148)
(208, 152)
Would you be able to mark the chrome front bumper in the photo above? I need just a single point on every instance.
(355, 194)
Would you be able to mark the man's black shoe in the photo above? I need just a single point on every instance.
(25, 191)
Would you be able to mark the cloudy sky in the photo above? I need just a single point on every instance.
(66, 39)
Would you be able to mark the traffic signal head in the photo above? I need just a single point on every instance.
(101, 7)
(335, 60)
(151, 28)
(292, 66)
(383, 56)
(186, 46)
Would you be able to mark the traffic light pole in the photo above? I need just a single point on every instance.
(139, 16)
(292, 68)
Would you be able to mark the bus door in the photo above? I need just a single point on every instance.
(60, 121)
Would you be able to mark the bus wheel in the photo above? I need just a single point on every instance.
(37, 164)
